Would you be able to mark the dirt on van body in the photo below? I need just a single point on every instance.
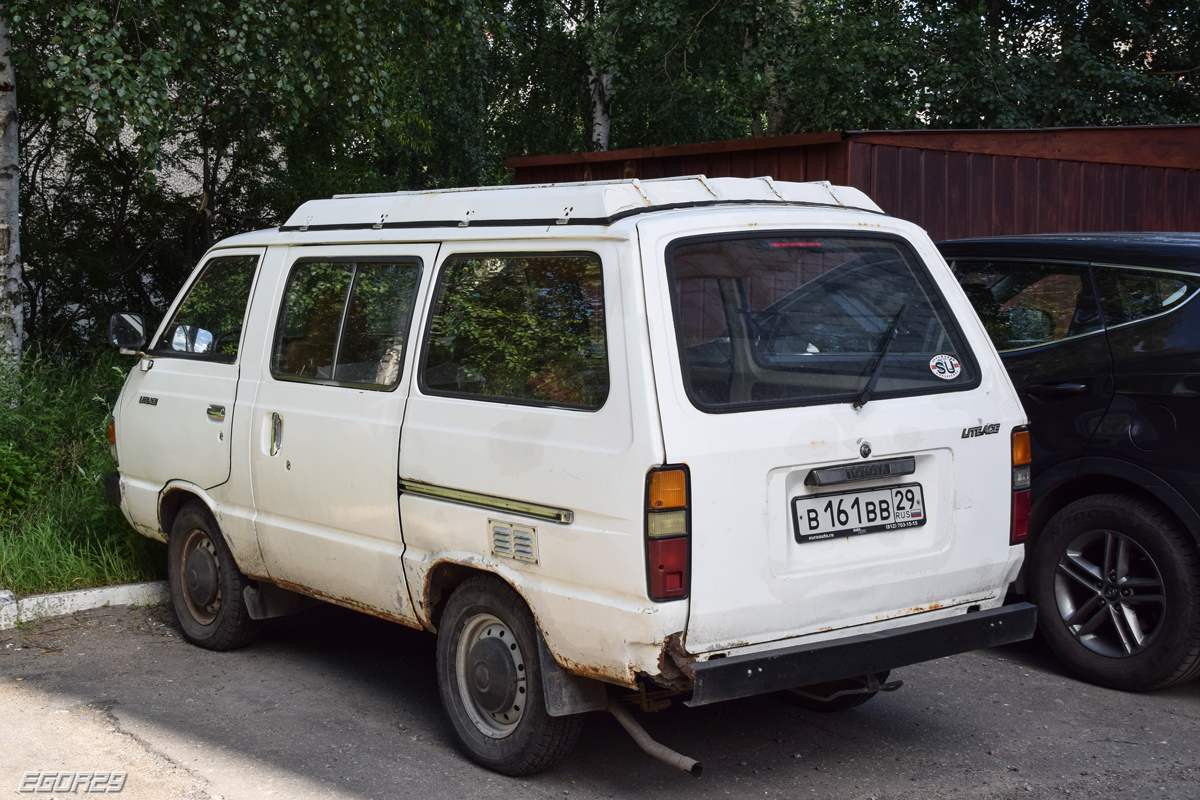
(333, 704)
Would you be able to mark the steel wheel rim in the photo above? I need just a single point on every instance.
(499, 723)
(1109, 594)
(197, 539)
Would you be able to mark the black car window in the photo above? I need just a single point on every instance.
(1132, 294)
(1026, 304)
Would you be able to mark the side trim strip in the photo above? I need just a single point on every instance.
(560, 515)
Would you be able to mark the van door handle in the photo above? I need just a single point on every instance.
(1056, 389)
(276, 433)
(216, 412)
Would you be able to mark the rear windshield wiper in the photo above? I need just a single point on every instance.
(883, 351)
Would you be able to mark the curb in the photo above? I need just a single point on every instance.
(42, 606)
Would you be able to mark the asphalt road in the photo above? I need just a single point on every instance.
(333, 704)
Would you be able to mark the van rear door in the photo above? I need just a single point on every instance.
(831, 483)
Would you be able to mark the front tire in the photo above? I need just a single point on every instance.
(1117, 585)
(205, 583)
(491, 681)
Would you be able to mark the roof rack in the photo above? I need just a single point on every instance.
(599, 203)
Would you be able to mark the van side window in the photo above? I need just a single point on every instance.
(208, 323)
(1026, 304)
(344, 322)
(519, 328)
(1132, 294)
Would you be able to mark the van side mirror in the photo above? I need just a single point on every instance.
(127, 331)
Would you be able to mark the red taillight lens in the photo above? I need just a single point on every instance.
(668, 567)
(1020, 517)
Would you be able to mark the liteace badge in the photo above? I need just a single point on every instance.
(981, 430)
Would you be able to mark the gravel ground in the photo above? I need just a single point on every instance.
(333, 704)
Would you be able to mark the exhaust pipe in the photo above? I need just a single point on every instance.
(653, 748)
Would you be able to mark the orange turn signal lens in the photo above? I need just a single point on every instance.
(112, 432)
(668, 489)
(1021, 454)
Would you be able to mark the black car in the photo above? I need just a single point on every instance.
(1101, 336)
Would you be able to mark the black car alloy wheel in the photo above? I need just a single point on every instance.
(1109, 593)
(1117, 585)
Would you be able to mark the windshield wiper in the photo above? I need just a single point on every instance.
(887, 345)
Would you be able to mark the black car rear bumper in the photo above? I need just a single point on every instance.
(865, 654)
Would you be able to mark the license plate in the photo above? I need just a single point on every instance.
(829, 516)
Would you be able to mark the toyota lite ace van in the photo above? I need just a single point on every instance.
(614, 443)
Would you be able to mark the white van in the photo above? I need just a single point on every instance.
(689, 438)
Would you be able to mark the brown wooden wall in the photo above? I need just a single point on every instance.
(956, 194)
(820, 162)
(952, 183)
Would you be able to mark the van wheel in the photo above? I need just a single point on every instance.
(818, 697)
(205, 583)
(1117, 586)
(491, 682)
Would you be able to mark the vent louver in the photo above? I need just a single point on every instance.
(518, 542)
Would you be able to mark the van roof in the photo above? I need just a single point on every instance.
(586, 203)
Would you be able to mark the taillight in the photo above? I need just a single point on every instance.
(668, 533)
(112, 439)
(1022, 455)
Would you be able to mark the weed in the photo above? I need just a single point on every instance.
(57, 531)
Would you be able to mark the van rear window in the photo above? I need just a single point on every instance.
(785, 320)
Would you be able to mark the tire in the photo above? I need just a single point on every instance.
(842, 703)
(1117, 586)
(205, 583)
(491, 681)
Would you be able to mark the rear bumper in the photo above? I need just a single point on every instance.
(807, 664)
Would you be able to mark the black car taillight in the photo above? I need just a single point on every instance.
(668, 533)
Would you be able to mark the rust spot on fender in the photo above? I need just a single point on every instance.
(904, 612)
(347, 602)
(675, 664)
(606, 674)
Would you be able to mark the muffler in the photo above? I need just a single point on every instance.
(651, 747)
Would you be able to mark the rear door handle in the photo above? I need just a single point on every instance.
(276, 433)
(216, 412)
(1056, 389)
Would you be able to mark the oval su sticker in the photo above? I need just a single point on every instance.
(945, 367)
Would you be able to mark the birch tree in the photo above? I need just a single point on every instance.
(11, 309)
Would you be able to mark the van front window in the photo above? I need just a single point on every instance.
(784, 320)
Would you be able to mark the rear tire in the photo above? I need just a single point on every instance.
(205, 583)
(491, 681)
(842, 703)
(1117, 586)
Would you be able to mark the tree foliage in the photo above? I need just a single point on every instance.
(150, 129)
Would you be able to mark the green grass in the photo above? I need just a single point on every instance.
(57, 531)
